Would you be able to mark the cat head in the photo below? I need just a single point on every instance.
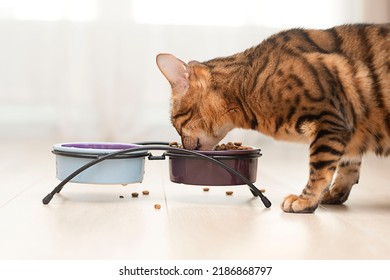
(198, 112)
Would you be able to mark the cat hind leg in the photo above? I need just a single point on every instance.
(347, 175)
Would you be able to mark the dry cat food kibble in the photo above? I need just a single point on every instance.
(134, 194)
(175, 144)
(231, 146)
(219, 147)
(145, 192)
(157, 206)
(206, 189)
(229, 193)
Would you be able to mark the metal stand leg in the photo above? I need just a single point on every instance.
(254, 193)
(57, 189)
(60, 186)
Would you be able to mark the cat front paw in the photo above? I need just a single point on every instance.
(298, 204)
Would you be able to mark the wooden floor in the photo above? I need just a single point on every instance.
(93, 222)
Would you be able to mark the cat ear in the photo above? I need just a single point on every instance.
(176, 71)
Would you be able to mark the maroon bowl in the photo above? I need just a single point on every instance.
(192, 170)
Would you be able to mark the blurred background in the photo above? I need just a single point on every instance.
(84, 70)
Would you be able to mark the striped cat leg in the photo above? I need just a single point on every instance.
(347, 175)
(326, 150)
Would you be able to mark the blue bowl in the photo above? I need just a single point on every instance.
(123, 169)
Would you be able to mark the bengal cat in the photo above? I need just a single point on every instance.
(330, 88)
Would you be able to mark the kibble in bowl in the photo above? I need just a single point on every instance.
(193, 170)
(219, 147)
(231, 146)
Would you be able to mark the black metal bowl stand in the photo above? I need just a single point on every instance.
(150, 146)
